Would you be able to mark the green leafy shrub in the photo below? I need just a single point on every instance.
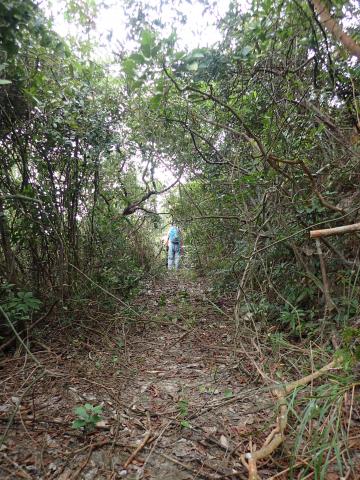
(19, 306)
(88, 417)
(23, 304)
(292, 318)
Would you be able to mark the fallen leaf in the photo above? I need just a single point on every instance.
(102, 424)
(224, 441)
(210, 430)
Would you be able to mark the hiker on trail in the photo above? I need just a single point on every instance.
(174, 247)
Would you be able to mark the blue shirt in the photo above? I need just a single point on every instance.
(174, 235)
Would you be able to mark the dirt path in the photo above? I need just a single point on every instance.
(169, 381)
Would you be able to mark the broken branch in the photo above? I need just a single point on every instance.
(327, 232)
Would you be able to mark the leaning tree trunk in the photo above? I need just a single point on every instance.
(335, 28)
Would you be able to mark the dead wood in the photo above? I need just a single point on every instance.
(327, 232)
(138, 449)
(277, 436)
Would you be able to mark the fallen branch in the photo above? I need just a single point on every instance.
(277, 436)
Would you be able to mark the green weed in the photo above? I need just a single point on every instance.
(292, 317)
(190, 321)
(162, 300)
(19, 306)
(320, 434)
(183, 406)
(228, 393)
(88, 417)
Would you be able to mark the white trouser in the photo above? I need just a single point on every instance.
(173, 255)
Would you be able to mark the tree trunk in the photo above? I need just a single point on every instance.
(335, 29)
(6, 246)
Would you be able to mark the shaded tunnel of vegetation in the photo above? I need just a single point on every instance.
(248, 145)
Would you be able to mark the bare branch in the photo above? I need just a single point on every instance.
(130, 209)
(355, 227)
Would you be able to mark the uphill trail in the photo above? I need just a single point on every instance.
(179, 400)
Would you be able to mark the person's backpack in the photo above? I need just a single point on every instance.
(174, 235)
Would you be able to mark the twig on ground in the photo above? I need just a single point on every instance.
(21, 472)
(189, 468)
(2, 439)
(83, 465)
(138, 449)
(180, 338)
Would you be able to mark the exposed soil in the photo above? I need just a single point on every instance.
(168, 378)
